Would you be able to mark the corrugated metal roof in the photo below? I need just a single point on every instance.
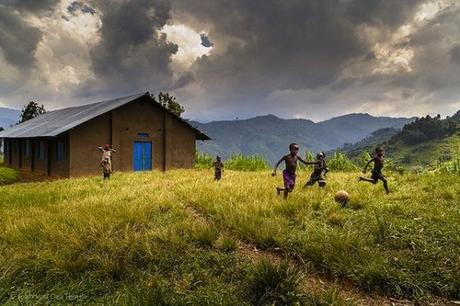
(56, 122)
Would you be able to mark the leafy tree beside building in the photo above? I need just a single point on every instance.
(169, 102)
(31, 110)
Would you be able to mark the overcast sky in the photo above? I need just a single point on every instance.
(236, 58)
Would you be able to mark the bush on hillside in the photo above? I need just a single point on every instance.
(425, 129)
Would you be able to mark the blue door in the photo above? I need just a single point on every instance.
(142, 156)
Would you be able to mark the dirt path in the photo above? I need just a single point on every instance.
(314, 281)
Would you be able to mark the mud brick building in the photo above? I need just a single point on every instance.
(63, 143)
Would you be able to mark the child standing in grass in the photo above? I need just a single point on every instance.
(377, 174)
(106, 160)
(319, 168)
(289, 174)
(218, 168)
(106, 169)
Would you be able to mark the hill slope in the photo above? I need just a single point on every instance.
(425, 142)
(8, 116)
(269, 135)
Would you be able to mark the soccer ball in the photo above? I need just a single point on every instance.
(342, 197)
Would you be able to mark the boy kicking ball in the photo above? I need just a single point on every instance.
(377, 174)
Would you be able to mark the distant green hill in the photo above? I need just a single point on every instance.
(270, 136)
(424, 142)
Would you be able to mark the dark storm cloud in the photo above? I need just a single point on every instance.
(455, 54)
(132, 54)
(32, 5)
(390, 13)
(18, 39)
(286, 45)
(205, 42)
(77, 6)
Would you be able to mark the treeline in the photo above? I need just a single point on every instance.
(426, 129)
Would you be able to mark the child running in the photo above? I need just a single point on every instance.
(317, 175)
(377, 175)
(289, 173)
(218, 168)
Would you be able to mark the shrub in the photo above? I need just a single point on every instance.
(340, 162)
(203, 160)
(8, 176)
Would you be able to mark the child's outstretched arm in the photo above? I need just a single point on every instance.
(307, 162)
(277, 165)
(367, 165)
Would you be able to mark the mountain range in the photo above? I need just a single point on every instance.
(8, 117)
(270, 136)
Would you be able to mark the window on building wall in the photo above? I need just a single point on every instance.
(60, 151)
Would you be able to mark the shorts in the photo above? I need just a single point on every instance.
(217, 175)
(377, 175)
(289, 179)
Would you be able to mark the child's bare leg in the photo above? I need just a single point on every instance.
(385, 185)
(309, 183)
(279, 189)
(365, 179)
(287, 190)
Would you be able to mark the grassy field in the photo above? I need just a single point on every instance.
(180, 239)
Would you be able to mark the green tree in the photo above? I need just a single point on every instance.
(31, 110)
(169, 102)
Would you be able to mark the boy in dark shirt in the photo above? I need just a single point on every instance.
(377, 175)
(319, 168)
(289, 175)
(218, 168)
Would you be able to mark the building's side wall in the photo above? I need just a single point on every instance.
(85, 158)
(181, 145)
(128, 122)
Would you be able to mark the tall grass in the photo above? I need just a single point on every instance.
(132, 239)
(340, 162)
(237, 162)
